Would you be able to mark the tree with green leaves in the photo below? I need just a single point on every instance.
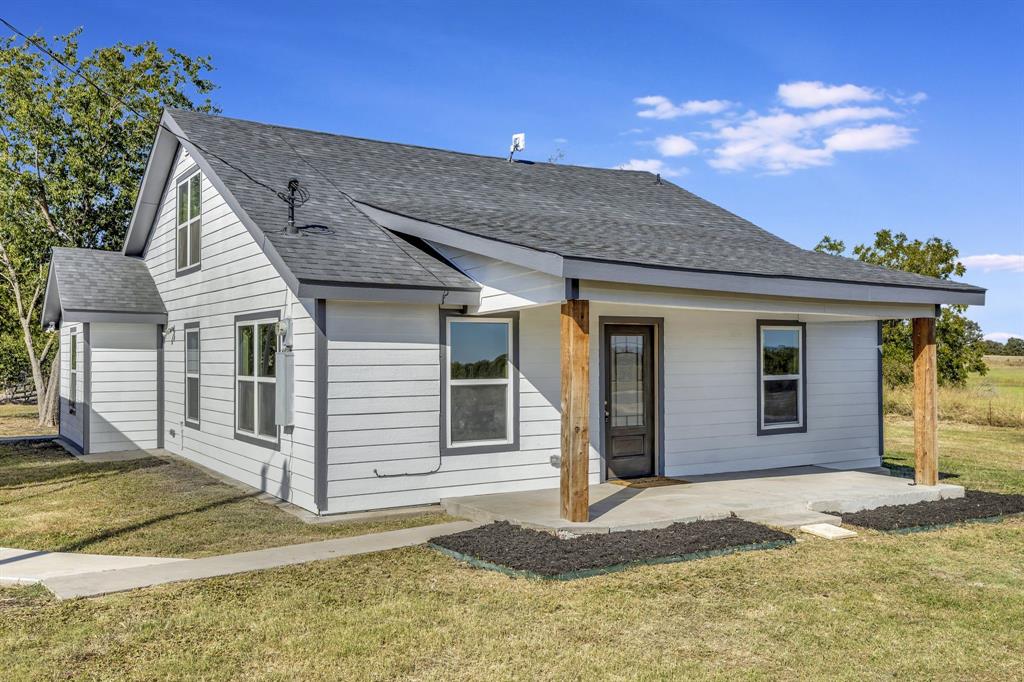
(959, 344)
(74, 147)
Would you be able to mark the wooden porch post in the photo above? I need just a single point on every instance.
(575, 500)
(926, 417)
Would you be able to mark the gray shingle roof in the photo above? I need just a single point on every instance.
(576, 212)
(89, 280)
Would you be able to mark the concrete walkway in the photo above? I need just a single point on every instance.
(785, 498)
(105, 582)
(26, 567)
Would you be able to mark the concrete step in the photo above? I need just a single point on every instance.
(788, 518)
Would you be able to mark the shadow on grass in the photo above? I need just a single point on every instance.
(904, 471)
(54, 468)
(82, 544)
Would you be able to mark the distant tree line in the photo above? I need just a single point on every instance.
(1013, 346)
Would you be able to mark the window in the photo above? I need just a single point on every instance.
(189, 221)
(73, 375)
(256, 379)
(192, 374)
(481, 396)
(782, 377)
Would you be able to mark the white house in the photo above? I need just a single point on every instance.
(442, 324)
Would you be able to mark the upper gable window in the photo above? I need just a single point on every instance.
(189, 219)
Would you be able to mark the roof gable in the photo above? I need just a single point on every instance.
(86, 285)
(337, 245)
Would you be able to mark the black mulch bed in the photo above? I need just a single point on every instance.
(522, 551)
(976, 504)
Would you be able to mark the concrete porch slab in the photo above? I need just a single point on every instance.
(787, 498)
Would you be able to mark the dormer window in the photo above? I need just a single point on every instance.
(189, 219)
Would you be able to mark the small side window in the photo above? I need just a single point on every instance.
(192, 374)
(781, 378)
(73, 374)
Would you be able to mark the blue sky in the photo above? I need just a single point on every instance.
(806, 118)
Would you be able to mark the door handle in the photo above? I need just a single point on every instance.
(607, 412)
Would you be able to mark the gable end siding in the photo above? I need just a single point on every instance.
(236, 278)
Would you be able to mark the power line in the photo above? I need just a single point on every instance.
(45, 50)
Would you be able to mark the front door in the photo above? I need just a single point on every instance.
(629, 400)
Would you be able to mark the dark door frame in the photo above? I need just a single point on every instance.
(658, 325)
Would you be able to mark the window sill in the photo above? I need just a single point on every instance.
(189, 270)
(762, 431)
(261, 442)
(192, 425)
(481, 449)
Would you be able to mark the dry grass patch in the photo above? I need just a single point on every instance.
(20, 420)
(52, 501)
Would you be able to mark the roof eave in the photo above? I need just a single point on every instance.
(728, 282)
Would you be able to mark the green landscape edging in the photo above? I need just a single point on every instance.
(941, 526)
(602, 570)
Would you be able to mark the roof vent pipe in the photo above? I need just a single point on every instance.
(293, 188)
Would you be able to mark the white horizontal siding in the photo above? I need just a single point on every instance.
(235, 278)
(711, 392)
(385, 397)
(71, 424)
(384, 410)
(123, 363)
(504, 286)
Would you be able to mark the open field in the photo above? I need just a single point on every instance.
(52, 501)
(947, 604)
(20, 420)
(996, 399)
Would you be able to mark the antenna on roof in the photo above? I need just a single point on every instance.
(296, 196)
(518, 145)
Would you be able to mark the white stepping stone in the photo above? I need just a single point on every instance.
(828, 531)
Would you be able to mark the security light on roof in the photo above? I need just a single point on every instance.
(518, 145)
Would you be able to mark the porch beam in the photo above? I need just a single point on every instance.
(926, 417)
(575, 501)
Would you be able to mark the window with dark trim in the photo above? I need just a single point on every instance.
(256, 378)
(480, 391)
(192, 374)
(73, 374)
(782, 377)
(189, 222)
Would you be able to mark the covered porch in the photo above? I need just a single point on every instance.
(799, 492)
(785, 498)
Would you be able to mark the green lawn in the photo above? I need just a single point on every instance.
(52, 501)
(946, 604)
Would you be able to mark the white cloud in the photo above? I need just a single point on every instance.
(782, 142)
(1011, 262)
(909, 100)
(660, 107)
(675, 145)
(560, 140)
(652, 166)
(870, 138)
(1003, 337)
(633, 131)
(815, 94)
